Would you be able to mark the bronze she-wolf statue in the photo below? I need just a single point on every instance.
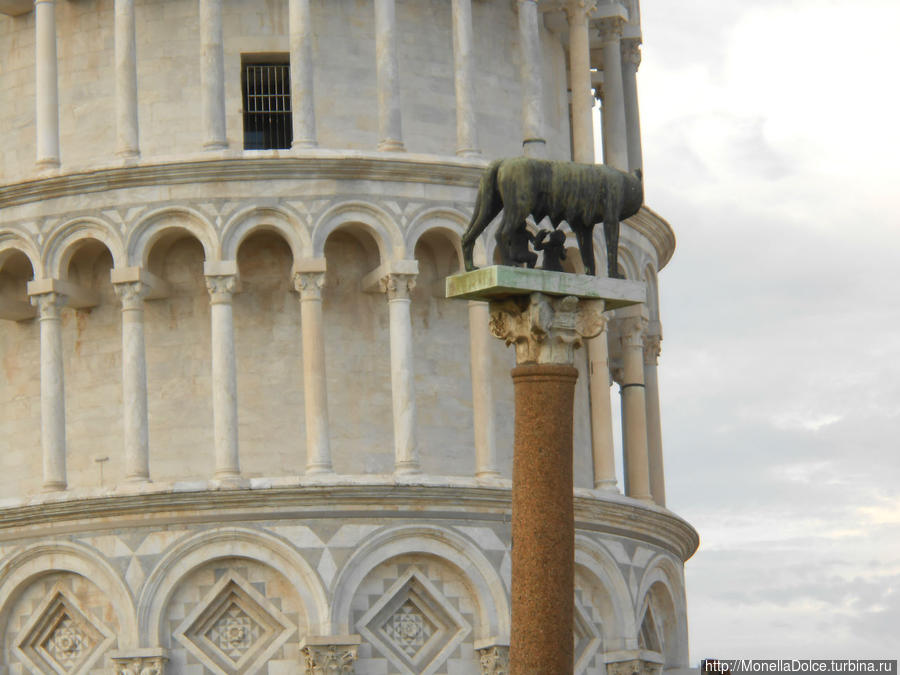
(580, 194)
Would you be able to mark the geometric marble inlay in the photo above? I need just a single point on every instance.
(234, 630)
(587, 638)
(60, 638)
(414, 625)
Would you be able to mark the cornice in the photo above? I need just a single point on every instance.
(657, 231)
(613, 514)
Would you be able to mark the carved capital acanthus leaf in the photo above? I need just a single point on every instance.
(221, 287)
(611, 28)
(631, 52)
(49, 304)
(652, 349)
(631, 332)
(330, 659)
(131, 293)
(494, 660)
(546, 329)
(139, 665)
(309, 285)
(397, 286)
(577, 11)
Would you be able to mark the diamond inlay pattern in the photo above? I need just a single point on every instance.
(235, 632)
(67, 643)
(409, 629)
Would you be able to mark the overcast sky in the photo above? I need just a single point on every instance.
(771, 139)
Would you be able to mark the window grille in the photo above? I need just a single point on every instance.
(266, 89)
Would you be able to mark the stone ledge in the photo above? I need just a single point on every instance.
(61, 513)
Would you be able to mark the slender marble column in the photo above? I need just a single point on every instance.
(134, 381)
(212, 74)
(466, 124)
(397, 287)
(615, 139)
(224, 376)
(53, 394)
(46, 84)
(390, 132)
(601, 413)
(534, 143)
(302, 94)
(318, 453)
(631, 59)
(127, 144)
(482, 390)
(580, 77)
(654, 428)
(634, 411)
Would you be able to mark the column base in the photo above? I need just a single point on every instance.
(319, 470)
(229, 483)
(215, 145)
(304, 144)
(607, 486)
(54, 487)
(47, 164)
(391, 145)
(534, 147)
(408, 469)
(468, 152)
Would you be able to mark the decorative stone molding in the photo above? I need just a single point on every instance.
(494, 659)
(309, 285)
(578, 10)
(644, 665)
(132, 294)
(546, 329)
(631, 332)
(49, 305)
(330, 655)
(140, 662)
(631, 51)
(397, 286)
(652, 349)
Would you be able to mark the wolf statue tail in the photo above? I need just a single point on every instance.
(487, 205)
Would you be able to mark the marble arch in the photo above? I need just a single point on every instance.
(377, 222)
(153, 225)
(12, 240)
(493, 606)
(448, 222)
(22, 567)
(61, 244)
(227, 542)
(618, 616)
(662, 575)
(265, 218)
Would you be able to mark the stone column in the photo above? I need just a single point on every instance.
(482, 390)
(390, 133)
(603, 451)
(330, 655)
(406, 454)
(127, 143)
(466, 123)
(134, 381)
(318, 453)
(302, 94)
(534, 143)
(654, 429)
(580, 78)
(221, 287)
(494, 660)
(634, 411)
(212, 75)
(53, 394)
(631, 59)
(46, 85)
(615, 141)
(545, 332)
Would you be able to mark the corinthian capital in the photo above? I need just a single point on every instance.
(652, 349)
(49, 304)
(132, 294)
(631, 51)
(309, 285)
(611, 28)
(221, 287)
(494, 660)
(546, 329)
(397, 286)
(139, 665)
(631, 332)
(577, 11)
(329, 659)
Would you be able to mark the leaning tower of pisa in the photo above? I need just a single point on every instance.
(241, 429)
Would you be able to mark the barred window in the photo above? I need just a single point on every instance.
(266, 89)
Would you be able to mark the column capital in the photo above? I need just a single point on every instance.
(578, 10)
(221, 288)
(635, 666)
(330, 655)
(631, 331)
(309, 285)
(652, 349)
(631, 51)
(611, 28)
(131, 293)
(397, 285)
(140, 662)
(49, 304)
(546, 329)
(494, 659)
